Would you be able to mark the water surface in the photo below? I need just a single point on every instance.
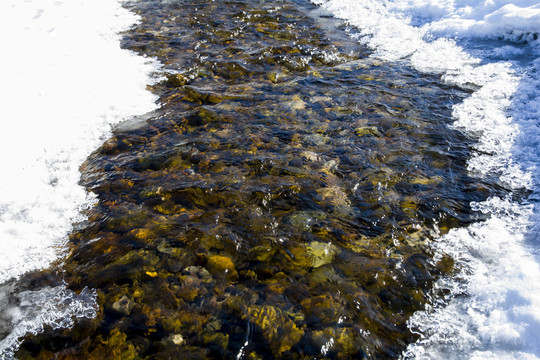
(280, 203)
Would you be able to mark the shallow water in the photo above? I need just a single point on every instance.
(279, 204)
(491, 309)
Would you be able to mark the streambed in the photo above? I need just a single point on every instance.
(281, 201)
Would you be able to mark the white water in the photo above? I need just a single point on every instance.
(493, 309)
(64, 82)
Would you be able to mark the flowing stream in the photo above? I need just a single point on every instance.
(297, 180)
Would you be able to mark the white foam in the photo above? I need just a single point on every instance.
(497, 315)
(493, 306)
(65, 80)
(56, 307)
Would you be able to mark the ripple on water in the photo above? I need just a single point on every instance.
(277, 205)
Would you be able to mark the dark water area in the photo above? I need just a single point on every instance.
(280, 203)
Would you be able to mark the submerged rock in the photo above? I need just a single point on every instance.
(316, 139)
(368, 130)
(276, 327)
(304, 220)
(321, 253)
(277, 76)
(222, 267)
(343, 341)
(200, 272)
(142, 234)
(124, 305)
(262, 252)
(176, 339)
(334, 196)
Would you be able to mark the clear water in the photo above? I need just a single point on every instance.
(303, 194)
(492, 48)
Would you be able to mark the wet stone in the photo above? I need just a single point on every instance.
(277, 77)
(305, 220)
(199, 272)
(144, 235)
(176, 339)
(334, 196)
(367, 130)
(276, 327)
(321, 253)
(262, 252)
(203, 116)
(222, 266)
(316, 139)
(344, 341)
(124, 305)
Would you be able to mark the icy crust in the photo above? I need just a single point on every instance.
(56, 307)
(526, 106)
(493, 306)
(395, 28)
(485, 114)
(65, 80)
(387, 34)
(492, 309)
